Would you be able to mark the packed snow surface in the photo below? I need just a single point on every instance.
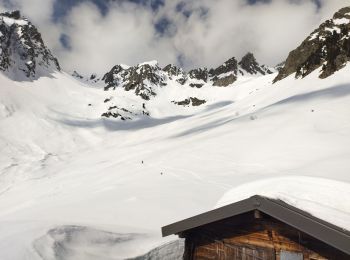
(66, 172)
(324, 198)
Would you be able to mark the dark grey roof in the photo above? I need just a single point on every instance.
(301, 220)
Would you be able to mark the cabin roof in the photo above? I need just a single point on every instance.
(301, 220)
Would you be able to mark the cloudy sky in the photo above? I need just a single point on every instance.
(93, 35)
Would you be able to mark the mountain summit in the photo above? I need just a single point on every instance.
(327, 47)
(146, 77)
(23, 54)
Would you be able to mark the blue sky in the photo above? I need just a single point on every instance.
(94, 35)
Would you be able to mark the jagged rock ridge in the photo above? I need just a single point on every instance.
(146, 77)
(328, 48)
(250, 65)
(142, 78)
(23, 54)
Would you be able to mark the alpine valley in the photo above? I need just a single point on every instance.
(91, 167)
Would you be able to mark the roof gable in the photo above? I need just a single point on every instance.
(301, 220)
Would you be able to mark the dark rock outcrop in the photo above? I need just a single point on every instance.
(190, 101)
(280, 66)
(113, 77)
(250, 65)
(225, 74)
(199, 74)
(172, 70)
(142, 78)
(145, 78)
(117, 112)
(23, 54)
(77, 75)
(93, 78)
(230, 65)
(327, 49)
(224, 81)
(196, 85)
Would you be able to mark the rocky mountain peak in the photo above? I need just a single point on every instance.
(142, 78)
(228, 66)
(327, 48)
(199, 74)
(228, 72)
(250, 65)
(23, 54)
(342, 13)
(14, 14)
(146, 77)
(172, 70)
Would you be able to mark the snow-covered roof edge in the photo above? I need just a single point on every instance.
(303, 221)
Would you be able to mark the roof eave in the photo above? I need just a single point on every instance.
(301, 220)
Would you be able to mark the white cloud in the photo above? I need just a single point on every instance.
(231, 28)
(125, 35)
(215, 31)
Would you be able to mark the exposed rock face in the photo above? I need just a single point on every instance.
(190, 101)
(230, 65)
(327, 48)
(176, 73)
(147, 79)
(224, 81)
(172, 70)
(196, 85)
(225, 74)
(115, 111)
(93, 78)
(114, 77)
(123, 113)
(23, 54)
(250, 65)
(142, 78)
(76, 74)
(199, 74)
(280, 66)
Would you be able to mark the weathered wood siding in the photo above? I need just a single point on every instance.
(253, 239)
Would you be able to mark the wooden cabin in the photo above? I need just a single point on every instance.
(260, 228)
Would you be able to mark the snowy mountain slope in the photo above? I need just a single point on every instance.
(23, 54)
(327, 47)
(29, 116)
(294, 127)
(101, 188)
(146, 79)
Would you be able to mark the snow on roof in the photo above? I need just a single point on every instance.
(325, 199)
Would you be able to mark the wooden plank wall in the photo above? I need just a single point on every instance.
(253, 239)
